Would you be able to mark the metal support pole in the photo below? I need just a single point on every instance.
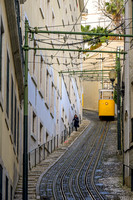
(118, 102)
(36, 31)
(74, 50)
(25, 138)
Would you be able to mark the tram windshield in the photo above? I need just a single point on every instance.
(106, 94)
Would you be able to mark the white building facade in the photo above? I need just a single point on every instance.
(53, 99)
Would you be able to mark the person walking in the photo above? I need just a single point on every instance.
(76, 122)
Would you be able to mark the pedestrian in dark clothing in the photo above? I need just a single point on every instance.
(76, 121)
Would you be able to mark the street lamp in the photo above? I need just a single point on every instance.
(112, 76)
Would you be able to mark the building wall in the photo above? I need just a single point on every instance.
(128, 96)
(10, 102)
(53, 99)
(94, 62)
(126, 114)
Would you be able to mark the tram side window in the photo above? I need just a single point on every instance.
(132, 128)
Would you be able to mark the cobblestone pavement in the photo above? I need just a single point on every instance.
(109, 171)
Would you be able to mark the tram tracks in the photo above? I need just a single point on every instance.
(72, 177)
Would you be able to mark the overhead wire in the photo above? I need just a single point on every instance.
(82, 41)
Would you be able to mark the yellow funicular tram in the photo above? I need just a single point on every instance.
(106, 104)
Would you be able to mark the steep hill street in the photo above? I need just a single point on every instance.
(106, 177)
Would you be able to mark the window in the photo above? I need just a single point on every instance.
(53, 15)
(70, 7)
(7, 87)
(1, 36)
(63, 22)
(41, 133)
(15, 117)
(11, 193)
(34, 59)
(41, 71)
(12, 104)
(42, 8)
(76, 3)
(72, 18)
(132, 128)
(34, 123)
(58, 1)
(47, 87)
(1, 179)
(6, 191)
(52, 99)
(18, 134)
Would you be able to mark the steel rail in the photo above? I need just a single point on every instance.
(95, 190)
(96, 163)
(74, 157)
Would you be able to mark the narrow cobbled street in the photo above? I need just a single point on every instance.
(88, 167)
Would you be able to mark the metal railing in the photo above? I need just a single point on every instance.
(41, 152)
(66, 133)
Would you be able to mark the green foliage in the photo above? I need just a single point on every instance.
(115, 96)
(114, 7)
(95, 42)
